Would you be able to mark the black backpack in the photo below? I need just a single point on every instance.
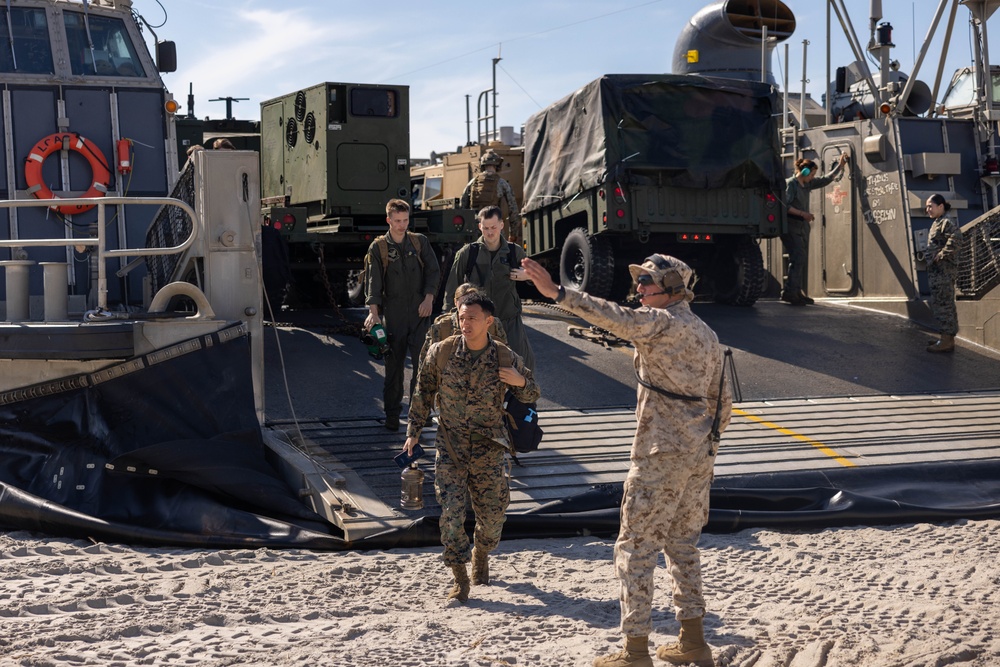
(521, 419)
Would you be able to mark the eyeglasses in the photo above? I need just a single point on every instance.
(645, 279)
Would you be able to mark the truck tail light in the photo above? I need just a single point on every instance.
(458, 222)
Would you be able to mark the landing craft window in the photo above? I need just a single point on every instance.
(112, 53)
(374, 102)
(962, 92)
(25, 48)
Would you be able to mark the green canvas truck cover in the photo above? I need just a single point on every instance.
(682, 131)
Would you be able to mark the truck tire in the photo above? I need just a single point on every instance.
(587, 264)
(739, 273)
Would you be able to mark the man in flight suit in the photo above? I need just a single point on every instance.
(399, 293)
(495, 269)
(679, 367)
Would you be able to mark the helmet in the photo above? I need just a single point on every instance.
(490, 158)
(377, 341)
(669, 272)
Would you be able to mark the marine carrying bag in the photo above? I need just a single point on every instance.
(520, 419)
(522, 424)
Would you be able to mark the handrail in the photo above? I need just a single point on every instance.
(100, 241)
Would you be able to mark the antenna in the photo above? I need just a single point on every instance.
(229, 104)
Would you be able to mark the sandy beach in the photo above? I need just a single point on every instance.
(913, 595)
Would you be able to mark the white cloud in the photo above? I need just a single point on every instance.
(272, 48)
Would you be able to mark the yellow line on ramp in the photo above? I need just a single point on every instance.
(797, 436)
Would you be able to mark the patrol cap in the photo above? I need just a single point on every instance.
(668, 272)
(490, 157)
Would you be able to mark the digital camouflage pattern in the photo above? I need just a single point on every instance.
(667, 486)
(492, 273)
(943, 241)
(490, 190)
(470, 399)
(399, 288)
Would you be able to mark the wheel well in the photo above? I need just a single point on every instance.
(566, 225)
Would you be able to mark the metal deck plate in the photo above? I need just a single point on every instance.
(584, 448)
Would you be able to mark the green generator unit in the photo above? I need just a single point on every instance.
(333, 154)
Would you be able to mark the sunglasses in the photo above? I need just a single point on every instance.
(645, 279)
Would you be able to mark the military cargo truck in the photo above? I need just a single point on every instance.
(332, 155)
(439, 186)
(633, 164)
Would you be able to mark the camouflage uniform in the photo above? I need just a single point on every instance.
(470, 395)
(943, 241)
(796, 240)
(446, 324)
(492, 273)
(491, 190)
(667, 486)
(400, 293)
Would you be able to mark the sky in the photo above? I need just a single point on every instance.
(444, 50)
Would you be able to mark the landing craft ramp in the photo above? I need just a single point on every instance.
(833, 396)
(768, 441)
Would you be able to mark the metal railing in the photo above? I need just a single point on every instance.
(168, 227)
(100, 241)
(979, 256)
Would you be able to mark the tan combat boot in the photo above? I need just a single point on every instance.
(691, 647)
(480, 567)
(946, 344)
(460, 591)
(636, 654)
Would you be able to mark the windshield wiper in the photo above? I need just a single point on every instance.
(10, 36)
(90, 42)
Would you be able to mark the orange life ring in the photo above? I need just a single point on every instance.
(74, 142)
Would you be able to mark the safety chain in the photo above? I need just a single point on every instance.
(352, 329)
(326, 280)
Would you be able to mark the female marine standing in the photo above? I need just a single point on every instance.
(942, 271)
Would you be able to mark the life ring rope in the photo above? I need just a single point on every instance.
(101, 174)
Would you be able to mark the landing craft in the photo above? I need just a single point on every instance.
(131, 400)
(907, 140)
(131, 351)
